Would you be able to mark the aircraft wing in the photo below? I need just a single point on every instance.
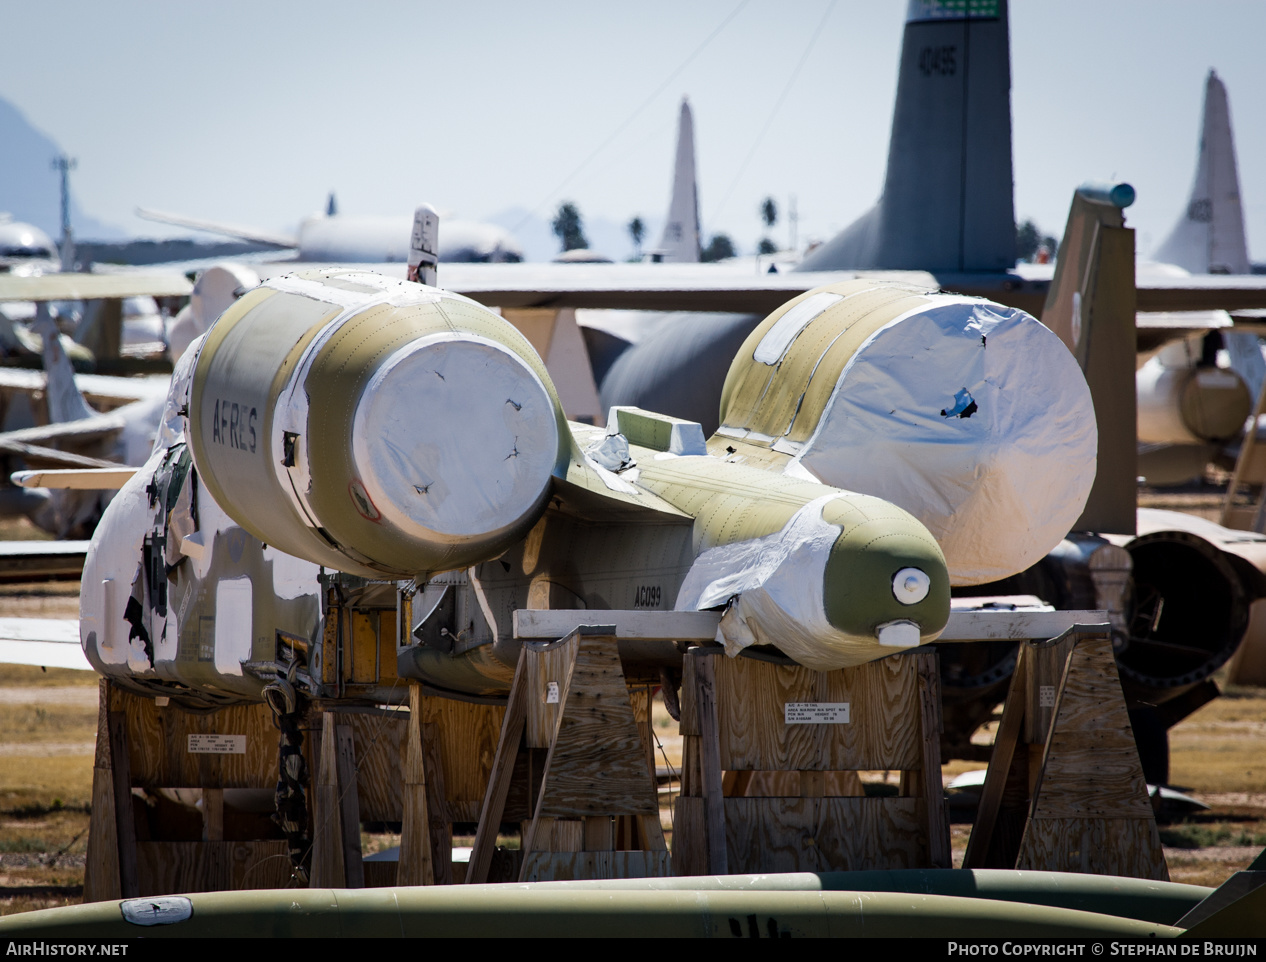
(724, 287)
(99, 390)
(47, 642)
(104, 476)
(82, 431)
(646, 287)
(70, 286)
(38, 560)
(218, 227)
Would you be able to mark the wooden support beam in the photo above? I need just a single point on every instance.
(1091, 811)
(328, 867)
(710, 761)
(101, 868)
(1000, 763)
(213, 815)
(494, 805)
(124, 818)
(927, 665)
(416, 865)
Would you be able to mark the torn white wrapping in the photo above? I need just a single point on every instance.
(774, 588)
(1003, 474)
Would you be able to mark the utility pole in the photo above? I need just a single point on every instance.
(793, 221)
(64, 165)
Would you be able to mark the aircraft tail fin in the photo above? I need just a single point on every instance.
(949, 157)
(424, 246)
(680, 240)
(65, 401)
(1091, 305)
(1209, 236)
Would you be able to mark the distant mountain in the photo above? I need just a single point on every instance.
(605, 236)
(30, 188)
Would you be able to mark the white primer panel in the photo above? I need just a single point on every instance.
(779, 337)
(233, 625)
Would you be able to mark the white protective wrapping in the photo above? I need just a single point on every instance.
(776, 586)
(997, 489)
(455, 437)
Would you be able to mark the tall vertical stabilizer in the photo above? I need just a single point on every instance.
(947, 203)
(1209, 237)
(680, 241)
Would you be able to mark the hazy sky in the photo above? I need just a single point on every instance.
(252, 112)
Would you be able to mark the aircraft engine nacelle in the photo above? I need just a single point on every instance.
(1190, 405)
(971, 416)
(374, 426)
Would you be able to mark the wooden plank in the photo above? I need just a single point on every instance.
(1000, 764)
(416, 865)
(1127, 847)
(468, 737)
(213, 815)
(547, 667)
(1091, 763)
(544, 866)
(159, 745)
(844, 784)
(938, 830)
(380, 749)
(167, 868)
(101, 866)
(599, 833)
(651, 834)
(328, 870)
(1090, 803)
(1113, 788)
(439, 814)
(812, 784)
(751, 700)
(1047, 667)
(690, 852)
(349, 807)
(596, 763)
(640, 699)
(632, 625)
(499, 779)
(1015, 625)
(705, 692)
(125, 826)
(823, 834)
(381, 875)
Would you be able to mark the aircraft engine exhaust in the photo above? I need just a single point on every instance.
(374, 426)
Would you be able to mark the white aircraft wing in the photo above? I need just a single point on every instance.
(82, 431)
(71, 286)
(36, 560)
(725, 287)
(47, 642)
(78, 479)
(102, 391)
(218, 227)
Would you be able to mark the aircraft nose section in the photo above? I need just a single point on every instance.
(886, 580)
(849, 579)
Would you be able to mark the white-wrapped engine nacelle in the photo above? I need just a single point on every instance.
(374, 426)
(970, 415)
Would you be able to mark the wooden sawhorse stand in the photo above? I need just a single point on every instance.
(752, 718)
(596, 812)
(1065, 790)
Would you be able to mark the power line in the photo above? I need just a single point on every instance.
(633, 116)
(773, 113)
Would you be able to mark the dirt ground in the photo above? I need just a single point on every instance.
(48, 722)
